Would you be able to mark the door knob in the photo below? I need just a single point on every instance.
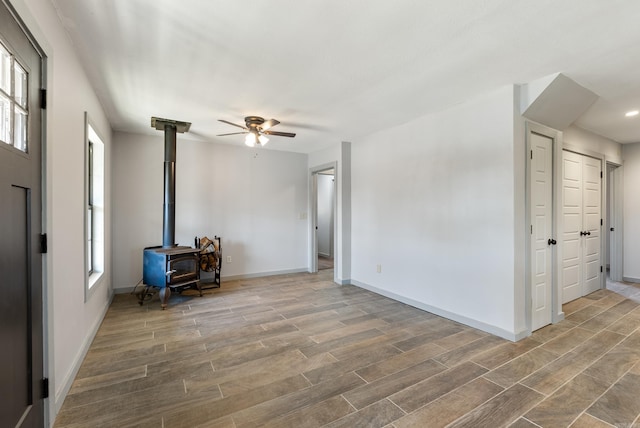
(551, 242)
(582, 233)
(612, 229)
(587, 233)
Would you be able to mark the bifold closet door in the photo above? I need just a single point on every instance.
(581, 211)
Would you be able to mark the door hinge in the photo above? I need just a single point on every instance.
(532, 229)
(531, 154)
(601, 222)
(43, 98)
(600, 174)
(45, 387)
(600, 268)
(43, 243)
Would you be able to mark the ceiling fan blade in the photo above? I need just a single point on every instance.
(232, 133)
(280, 134)
(269, 124)
(229, 123)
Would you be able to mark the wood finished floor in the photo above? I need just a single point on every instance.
(300, 351)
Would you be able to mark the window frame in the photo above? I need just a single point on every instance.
(90, 217)
(14, 104)
(94, 208)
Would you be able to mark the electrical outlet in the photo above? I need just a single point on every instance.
(379, 268)
(228, 259)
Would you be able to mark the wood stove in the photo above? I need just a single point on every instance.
(169, 266)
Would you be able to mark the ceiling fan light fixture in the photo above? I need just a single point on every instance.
(256, 130)
(250, 139)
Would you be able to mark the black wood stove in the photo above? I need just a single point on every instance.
(169, 266)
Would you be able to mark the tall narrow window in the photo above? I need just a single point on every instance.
(95, 206)
(90, 223)
(14, 107)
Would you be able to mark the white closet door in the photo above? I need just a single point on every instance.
(581, 188)
(591, 223)
(572, 221)
(541, 164)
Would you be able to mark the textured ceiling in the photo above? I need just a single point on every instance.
(335, 71)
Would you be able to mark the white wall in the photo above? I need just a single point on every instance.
(252, 198)
(593, 144)
(631, 212)
(71, 322)
(325, 214)
(433, 203)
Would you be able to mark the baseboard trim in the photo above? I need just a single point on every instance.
(67, 382)
(128, 290)
(631, 279)
(496, 331)
(263, 274)
(124, 290)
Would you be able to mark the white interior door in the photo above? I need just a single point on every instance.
(592, 201)
(581, 211)
(541, 164)
(615, 222)
(572, 222)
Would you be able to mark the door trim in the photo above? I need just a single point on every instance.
(313, 218)
(36, 35)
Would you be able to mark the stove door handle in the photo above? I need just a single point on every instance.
(171, 272)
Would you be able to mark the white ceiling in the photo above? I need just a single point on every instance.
(336, 70)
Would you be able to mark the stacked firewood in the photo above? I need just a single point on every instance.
(209, 254)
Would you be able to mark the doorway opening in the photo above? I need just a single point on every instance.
(323, 218)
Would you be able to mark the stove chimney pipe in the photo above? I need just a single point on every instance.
(169, 205)
(170, 128)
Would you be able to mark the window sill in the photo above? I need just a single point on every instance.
(93, 281)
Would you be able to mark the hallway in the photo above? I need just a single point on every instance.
(629, 290)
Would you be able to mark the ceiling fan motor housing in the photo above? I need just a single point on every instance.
(253, 121)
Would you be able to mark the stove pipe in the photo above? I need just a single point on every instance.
(170, 128)
(169, 205)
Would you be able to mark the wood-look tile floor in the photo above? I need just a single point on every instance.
(300, 351)
(325, 262)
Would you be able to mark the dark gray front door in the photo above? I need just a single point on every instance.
(21, 324)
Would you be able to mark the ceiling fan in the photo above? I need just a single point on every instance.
(256, 129)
